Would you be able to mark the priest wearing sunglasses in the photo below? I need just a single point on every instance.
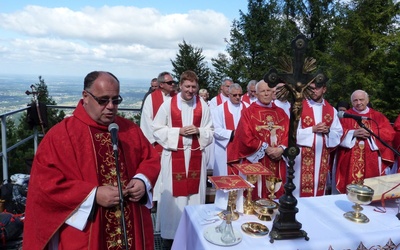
(74, 200)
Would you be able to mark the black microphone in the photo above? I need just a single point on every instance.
(113, 128)
(342, 114)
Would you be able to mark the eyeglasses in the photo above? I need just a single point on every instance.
(105, 101)
(169, 82)
(236, 95)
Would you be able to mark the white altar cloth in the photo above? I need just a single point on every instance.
(321, 217)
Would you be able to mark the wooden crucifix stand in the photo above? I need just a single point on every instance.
(285, 225)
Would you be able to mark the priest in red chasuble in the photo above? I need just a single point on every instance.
(361, 155)
(261, 136)
(318, 134)
(183, 127)
(73, 198)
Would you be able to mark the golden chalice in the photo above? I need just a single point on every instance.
(273, 184)
(360, 195)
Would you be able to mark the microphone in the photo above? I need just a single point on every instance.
(113, 128)
(342, 114)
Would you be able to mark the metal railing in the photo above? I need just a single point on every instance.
(35, 134)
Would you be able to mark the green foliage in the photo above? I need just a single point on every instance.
(191, 58)
(365, 54)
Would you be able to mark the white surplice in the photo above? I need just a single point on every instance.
(147, 116)
(213, 102)
(169, 207)
(222, 135)
(305, 137)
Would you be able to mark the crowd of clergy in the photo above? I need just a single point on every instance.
(193, 134)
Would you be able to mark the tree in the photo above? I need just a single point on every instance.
(365, 53)
(221, 68)
(258, 40)
(191, 58)
(22, 155)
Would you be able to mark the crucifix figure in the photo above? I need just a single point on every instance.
(297, 77)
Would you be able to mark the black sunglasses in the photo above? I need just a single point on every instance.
(169, 82)
(105, 101)
(236, 95)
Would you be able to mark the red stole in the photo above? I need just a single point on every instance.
(185, 184)
(229, 122)
(246, 98)
(308, 154)
(157, 99)
(219, 99)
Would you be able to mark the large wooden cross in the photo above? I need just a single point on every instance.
(297, 77)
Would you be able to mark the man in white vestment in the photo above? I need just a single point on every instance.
(319, 132)
(250, 96)
(225, 120)
(149, 110)
(183, 127)
(223, 96)
(153, 102)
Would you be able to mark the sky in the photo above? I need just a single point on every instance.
(134, 39)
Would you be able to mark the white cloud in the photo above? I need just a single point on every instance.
(135, 42)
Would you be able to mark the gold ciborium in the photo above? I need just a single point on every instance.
(360, 195)
(248, 207)
(265, 208)
(273, 184)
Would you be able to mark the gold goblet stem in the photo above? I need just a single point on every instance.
(248, 207)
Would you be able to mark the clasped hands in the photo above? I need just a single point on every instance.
(361, 133)
(275, 153)
(321, 128)
(108, 196)
(189, 130)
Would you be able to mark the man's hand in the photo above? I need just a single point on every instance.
(361, 133)
(321, 128)
(275, 153)
(135, 190)
(189, 130)
(107, 196)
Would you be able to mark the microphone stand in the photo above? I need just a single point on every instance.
(377, 137)
(121, 197)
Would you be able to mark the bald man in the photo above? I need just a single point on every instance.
(361, 155)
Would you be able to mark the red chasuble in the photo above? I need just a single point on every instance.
(185, 184)
(73, 158)
(360, 162)
(260, 124)
(308, 164)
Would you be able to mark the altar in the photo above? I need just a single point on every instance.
(321, 217)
